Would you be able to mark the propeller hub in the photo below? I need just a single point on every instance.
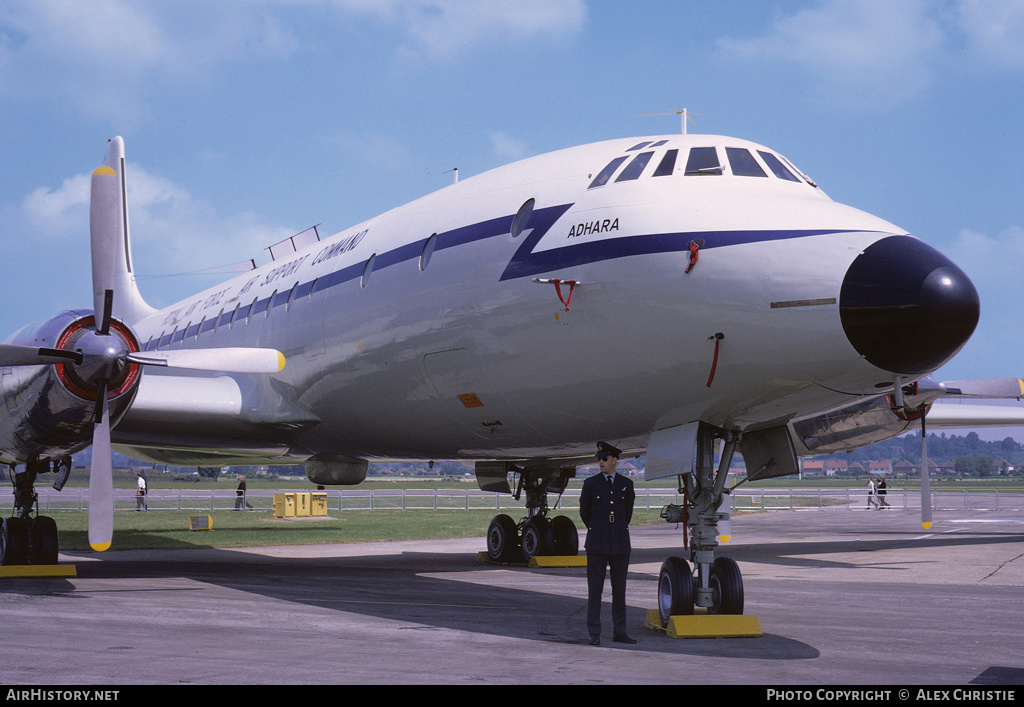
(104, 358)
(905, 307)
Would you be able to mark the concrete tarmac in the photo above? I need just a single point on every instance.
(844, 598)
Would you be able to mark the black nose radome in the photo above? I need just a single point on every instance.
(905, 307)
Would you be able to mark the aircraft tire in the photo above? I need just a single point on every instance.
(538, 538)
(13, 542)
(502, 539)
(675, 589)
(44, 541)
(567, 538)
(727, 587)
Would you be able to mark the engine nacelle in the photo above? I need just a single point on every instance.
(334, 470)
(49, 409)
(871, 420)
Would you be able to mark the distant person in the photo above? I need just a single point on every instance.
(606, 507)
(240, 495)
(881, 492)
(140, 493)
(872, 501)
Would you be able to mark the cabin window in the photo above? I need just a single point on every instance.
(667, 165)
(743, 163)
(288, 304)
(605, 174)
(428, 250)
(522, 217)
(635, 168)
(703, 160)
(367, 270)
(776, 166)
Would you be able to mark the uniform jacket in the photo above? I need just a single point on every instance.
(607, 512)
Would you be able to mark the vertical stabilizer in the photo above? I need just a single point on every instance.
(129, 306)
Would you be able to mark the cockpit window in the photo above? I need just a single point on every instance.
(743, 163)
(639, 146)
(635, 168)
(703, 160)
(668, 164)
(797, 171)
(605, 174)
(776, 166)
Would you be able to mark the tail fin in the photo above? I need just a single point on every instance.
(129, 306)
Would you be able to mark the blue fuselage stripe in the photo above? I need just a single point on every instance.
(524, 263)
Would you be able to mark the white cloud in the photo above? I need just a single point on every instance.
(172, 232)
(863, 51)
(444, 28)
(508, 148)
(995, 32)
(102, 54)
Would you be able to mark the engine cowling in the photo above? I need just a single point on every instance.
(49, 409)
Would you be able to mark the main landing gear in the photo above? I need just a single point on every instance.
(714, 583)
(25, 539)
(537, 534)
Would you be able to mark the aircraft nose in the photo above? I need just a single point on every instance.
(905, 307)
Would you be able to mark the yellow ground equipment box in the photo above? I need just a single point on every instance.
(284, 505)
(300, 504)
(200, 523)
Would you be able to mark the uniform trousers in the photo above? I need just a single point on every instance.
(596, 566)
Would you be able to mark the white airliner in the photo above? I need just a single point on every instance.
(665, 294)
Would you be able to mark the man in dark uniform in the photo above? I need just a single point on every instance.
(606, 507)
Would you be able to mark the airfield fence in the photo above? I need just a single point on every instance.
(356, 499)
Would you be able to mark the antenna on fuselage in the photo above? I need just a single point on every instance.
(684, 113)
(456, 171)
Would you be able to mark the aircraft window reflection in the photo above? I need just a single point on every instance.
(703, 160)
(776, 166)
(635, 168)
(668, 164)
(605, 174)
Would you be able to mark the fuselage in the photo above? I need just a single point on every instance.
(700, 278)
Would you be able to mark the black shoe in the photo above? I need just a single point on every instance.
(595, 640)
(623, 638)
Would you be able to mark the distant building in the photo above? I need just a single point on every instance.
(880, 468)
(814, 467)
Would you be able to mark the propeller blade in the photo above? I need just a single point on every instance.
(926, 494)
(104, 228)
(13, 355)
(227, 360)
(101, 478)
(987, 388)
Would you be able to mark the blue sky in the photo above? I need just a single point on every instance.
(245, 122)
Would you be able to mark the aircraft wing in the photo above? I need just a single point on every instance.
(953, 415)
(213, 419)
